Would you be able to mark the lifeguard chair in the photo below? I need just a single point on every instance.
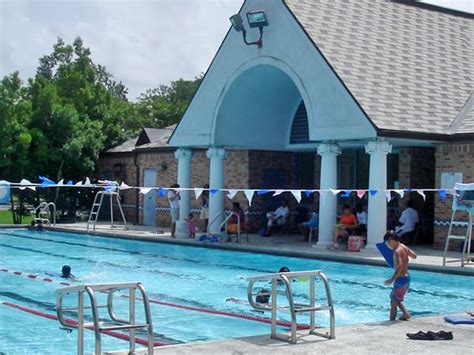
(463, 202)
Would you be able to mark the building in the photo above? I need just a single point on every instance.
(342, 94)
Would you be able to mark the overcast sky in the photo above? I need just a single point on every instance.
(143, 43)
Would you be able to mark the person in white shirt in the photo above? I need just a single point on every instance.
(277, 217)
(361, 217)
(173, 199)
(408, 220)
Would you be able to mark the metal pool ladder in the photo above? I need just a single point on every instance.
(285, 279)
(98, 326)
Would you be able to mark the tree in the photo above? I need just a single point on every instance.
(165, 105)
(15, 111)
(77, 110)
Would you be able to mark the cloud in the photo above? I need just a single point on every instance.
(143, 43)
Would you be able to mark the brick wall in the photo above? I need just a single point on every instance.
(451, 158)
(107, 169)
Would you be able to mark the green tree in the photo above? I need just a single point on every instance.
(15, 112)
(74, 103)
(165, 105)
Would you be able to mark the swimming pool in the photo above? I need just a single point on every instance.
(198, 278)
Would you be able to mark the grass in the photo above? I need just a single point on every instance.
(7, 218)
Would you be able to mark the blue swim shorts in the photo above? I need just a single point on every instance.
(400, 288)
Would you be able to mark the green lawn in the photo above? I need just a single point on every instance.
(6, 218)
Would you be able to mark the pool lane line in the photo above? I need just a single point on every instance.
(174, 305)
(72, 322)
(136, 253)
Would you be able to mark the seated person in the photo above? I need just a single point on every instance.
(232, 226)
(361, 215)
(305, 227)
(347, 224)
(278, 217)
(391, 220)
(408, 220)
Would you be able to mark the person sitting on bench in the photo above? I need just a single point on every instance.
(347, 224)
(408, 219)
(278, 217)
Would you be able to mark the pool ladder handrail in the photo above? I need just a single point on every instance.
(224, 224)
(96, 325)
(45, 207)
(95, 210)
(286, 279)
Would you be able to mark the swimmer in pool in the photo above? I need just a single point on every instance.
(66, 272)
(262, 297)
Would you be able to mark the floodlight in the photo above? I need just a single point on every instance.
(237, 22)
(257, 19)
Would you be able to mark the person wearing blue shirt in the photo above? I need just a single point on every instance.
(305, 227)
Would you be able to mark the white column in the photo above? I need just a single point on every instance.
(184, 157)
(327, 201)
(216, 181)
(377, 214)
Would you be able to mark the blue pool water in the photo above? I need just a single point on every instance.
(196, 277)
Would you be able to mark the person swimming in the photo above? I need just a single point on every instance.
(284, 269)
(66, 272)
(262, 297)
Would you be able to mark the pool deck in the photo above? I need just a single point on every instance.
(429, 259)
(370, 338)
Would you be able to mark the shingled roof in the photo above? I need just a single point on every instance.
(410, 66)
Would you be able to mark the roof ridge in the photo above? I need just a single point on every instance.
(459, 119)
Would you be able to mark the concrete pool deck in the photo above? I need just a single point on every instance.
(370, 338)
(429, 259)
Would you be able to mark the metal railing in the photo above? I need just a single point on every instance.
(285, 279)
(45, 207)
(96, 325)
(96, 206)
(224, 224)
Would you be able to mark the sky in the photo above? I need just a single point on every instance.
(143, 43)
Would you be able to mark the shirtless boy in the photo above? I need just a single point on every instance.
(401, 277)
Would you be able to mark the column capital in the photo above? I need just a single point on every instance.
(219, 153)
(378, 146)
(183, 153)
(329, 148)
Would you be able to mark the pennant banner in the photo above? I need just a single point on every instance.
(198, 193)
(249, 195)
(297, 195)
(231, 193)
(422, 194)
(360, 193)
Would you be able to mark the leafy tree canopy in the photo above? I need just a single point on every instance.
(59, 122)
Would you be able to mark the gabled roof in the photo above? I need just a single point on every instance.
(410, 66)
(148, 138)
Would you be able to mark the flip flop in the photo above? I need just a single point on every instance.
(420, 336)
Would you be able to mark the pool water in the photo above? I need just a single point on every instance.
(197, 277)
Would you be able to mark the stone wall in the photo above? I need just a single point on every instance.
(451, 158)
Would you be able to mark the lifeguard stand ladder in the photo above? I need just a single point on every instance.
(463, 201)
(98, 200)
(98, 326)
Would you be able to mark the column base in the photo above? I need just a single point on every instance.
(182, 230)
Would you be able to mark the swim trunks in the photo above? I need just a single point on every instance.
(400, 288)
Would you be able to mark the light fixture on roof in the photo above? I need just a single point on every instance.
(256, 19)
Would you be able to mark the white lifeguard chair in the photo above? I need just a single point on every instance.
(463, 202)
(98, 200)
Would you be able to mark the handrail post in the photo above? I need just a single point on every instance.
(274, 307)
(146, 305)
(312, 315)
(80, 323)
(95, 318)
(132, 320)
